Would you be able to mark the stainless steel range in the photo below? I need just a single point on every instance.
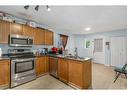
(22, 66)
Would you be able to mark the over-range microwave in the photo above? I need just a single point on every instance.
(20, 40)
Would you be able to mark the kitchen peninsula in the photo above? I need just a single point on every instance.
(76, 72)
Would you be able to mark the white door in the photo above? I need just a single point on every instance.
(98, 52)
(118, 51)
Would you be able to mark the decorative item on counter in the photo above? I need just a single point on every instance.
(61, 50)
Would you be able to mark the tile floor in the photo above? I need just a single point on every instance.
(102, 78)
(44, 82)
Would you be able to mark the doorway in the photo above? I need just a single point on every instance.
(118, 51)
(98, 51)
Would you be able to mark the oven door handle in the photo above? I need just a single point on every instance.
(22, 60)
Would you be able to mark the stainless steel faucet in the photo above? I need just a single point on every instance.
(76, 52)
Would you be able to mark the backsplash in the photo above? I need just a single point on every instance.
(5, 47)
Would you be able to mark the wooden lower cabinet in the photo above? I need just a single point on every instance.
(80, 74)
(47, 64)
(42, 65)
(4, 73)
(63, 69)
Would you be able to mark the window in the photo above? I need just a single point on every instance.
(98, 45)
(87, 43)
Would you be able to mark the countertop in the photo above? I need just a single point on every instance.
(4, 58)
(70, 58)
(39, 55)
(53, 55)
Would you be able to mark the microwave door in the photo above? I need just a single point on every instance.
(19, 42)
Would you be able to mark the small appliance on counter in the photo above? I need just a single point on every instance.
(42, 51)
(54, 50)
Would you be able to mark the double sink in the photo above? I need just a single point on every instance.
(70, 57)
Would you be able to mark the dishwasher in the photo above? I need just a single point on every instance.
(53, 66)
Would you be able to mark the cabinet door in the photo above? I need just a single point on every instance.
(42, 37)
(49, 37)
(16, 29)
(28, 31)
(75, 73)
(47, 64)
(39, 37)
(4, 31)
(4, 73)
(40, 66)
(63, 69)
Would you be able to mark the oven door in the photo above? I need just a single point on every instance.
(22, 67)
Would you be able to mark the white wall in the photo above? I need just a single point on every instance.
(79, 44)
(105, 57)
(83, 52)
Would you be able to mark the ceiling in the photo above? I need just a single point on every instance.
(74, 19)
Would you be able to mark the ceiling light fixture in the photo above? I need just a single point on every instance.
(26, 7)
(48, 8)
(37, 7)
(50, 29)
(87, 28)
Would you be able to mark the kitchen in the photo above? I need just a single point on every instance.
(22, 64)
(34, 51)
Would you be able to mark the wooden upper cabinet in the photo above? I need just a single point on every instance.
(49, 37)
(63, 69)
(4, 73)
(4, 31)
(39, 37)
(16, 29)
(28, 31)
